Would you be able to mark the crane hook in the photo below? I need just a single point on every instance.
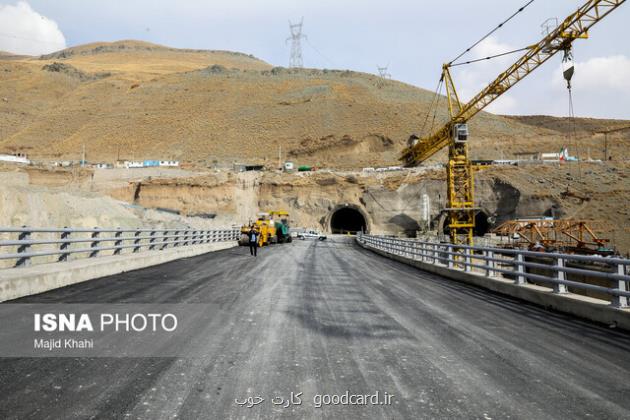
(569, 71)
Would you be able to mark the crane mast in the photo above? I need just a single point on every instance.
(454, 134)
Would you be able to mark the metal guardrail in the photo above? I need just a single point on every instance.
(58, 244)
(516, 265)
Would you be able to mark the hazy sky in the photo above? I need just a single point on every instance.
(413, 37)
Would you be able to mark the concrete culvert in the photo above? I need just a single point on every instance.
(347, 219)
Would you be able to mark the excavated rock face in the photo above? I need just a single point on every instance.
(399, 202)
(336, 202)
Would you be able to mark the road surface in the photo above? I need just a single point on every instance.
(326, 318)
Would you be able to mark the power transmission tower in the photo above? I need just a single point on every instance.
(384, 75)
(296, 44)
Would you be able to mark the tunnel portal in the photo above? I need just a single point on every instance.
(347, 219)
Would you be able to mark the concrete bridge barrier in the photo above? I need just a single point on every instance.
(508, 272)
(49, 258)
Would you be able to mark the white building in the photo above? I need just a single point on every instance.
(169, 163)
(133, 164)
(17, 158)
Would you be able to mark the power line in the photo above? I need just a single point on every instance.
(500, 25)
(318, 52)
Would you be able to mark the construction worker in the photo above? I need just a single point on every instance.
(253, 241)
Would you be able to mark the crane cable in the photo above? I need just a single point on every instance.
(437, 103)
(568, 71)
(434, 100)
(574, 134)
(490, 33)
(489, 57)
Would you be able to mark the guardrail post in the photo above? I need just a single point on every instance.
(489, 263)
(561, 275)
(165, 235)
(24, 248)
(152, 240)
(434, 253)
(118, 242)
(520, 270)
(136, 241)
(94, 243)
(449, 256)
(622, 286)
(64, 245)
(467, 260)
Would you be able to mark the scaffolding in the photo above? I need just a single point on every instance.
(566, 235)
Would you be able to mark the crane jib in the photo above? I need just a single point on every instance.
(573, 27)
(454, 134)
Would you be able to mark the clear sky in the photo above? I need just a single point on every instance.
(413, 37)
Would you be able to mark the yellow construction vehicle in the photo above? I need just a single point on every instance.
(454, 134)
(265, 228)
(272, 227)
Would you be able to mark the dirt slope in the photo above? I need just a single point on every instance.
(131, 99)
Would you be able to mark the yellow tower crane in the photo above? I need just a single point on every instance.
(454, 134)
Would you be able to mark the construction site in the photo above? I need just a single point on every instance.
(130, 131)
(189, 230)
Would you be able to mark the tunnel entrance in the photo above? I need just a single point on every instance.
(482, 224)
(347, 219)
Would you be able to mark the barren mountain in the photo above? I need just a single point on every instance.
(131, 99)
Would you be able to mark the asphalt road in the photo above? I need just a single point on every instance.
(325, 318)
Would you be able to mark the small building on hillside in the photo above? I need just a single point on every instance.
(169, 163)
(245, 167)
(15, 158)
(133, 164)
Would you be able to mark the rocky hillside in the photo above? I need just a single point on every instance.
(132, 99)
